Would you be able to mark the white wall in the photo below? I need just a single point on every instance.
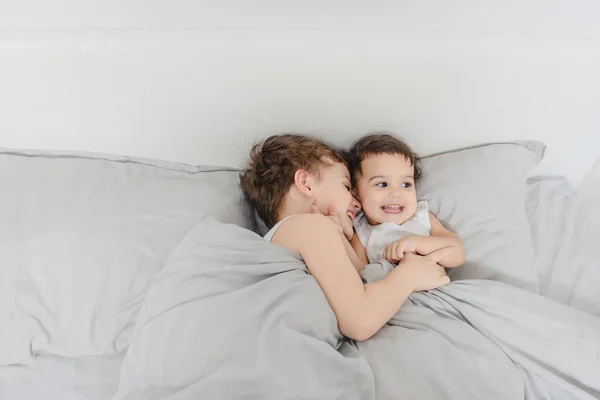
(471, 16)
(440, 76)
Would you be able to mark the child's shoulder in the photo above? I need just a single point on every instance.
(420, 221)
(304, 229)
(308, 222)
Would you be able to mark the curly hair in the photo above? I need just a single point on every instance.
(269, 174)
(380, 143)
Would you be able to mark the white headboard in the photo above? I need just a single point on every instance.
(199, 84)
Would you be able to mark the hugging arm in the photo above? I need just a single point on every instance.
(361, 309)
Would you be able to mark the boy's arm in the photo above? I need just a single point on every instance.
(359, 250)
(440, 238)
(356, 260)
(361, 310)
(356, 250)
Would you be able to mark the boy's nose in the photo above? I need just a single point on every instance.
(355, 204)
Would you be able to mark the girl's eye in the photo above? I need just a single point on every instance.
(381, 184)
(348, 187)
(406, 184)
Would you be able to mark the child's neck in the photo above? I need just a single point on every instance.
(293, 205)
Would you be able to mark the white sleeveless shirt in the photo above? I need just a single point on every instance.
(375, 238)
(269, 235)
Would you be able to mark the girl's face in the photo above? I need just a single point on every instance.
(386, 189)
(332, 190)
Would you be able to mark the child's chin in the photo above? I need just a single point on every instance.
(396, 218)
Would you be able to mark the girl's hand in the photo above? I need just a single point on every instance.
(395, 251)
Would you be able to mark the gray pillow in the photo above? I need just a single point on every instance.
(565, 241)
(479, 194)
(82, 236)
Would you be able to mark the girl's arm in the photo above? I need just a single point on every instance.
(440, 238)
(361, 310)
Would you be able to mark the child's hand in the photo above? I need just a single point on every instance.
(395, 251)
(331, 214)
(423, 272)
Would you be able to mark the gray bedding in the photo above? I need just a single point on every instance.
(565, 242)
(232, 316)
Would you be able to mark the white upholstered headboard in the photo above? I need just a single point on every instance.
(199, 82)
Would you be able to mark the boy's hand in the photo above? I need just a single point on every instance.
(331, 214)
(423, 272)
(395, 251)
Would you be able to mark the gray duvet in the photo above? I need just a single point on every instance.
(234, 317)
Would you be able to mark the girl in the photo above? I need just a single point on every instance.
(393, 223)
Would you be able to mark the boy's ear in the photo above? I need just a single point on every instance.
(302, 182)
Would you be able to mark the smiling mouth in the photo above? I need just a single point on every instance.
(392, 208)
(351, 215)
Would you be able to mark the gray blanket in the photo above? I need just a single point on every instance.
(232, 317)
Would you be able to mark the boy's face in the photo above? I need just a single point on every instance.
(333, 189)
(386, 188)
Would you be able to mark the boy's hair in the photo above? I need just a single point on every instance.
(380, 143)
(269, 173)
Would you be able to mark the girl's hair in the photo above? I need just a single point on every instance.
(273, 163)
(380, 143)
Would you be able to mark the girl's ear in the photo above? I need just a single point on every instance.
(302, 182)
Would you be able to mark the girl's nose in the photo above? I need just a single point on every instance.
(394, 192)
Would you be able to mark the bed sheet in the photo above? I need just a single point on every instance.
(60, 378)
(565, 240)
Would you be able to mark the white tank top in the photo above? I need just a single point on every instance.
(376, 237)
(272, 231)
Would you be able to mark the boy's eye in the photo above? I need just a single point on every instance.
(406, 184)
(381, 184)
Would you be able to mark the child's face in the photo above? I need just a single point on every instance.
(386, 189)
(332, 188)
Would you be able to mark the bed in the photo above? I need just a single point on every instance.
(128, 278)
